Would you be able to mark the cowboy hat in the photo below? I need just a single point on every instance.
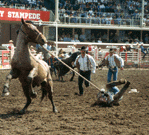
(83, 48)
(10, 41)
(111, 50)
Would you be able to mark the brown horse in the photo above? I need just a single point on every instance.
(30, 70)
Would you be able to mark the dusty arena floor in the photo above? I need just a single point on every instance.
(76, 116)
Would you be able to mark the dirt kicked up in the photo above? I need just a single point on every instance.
(75, 115)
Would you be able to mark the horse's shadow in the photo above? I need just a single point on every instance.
(14, 113)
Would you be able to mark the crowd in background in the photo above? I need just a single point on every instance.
(97, 11)
(103, 11)
(24, 4)
(103, 37)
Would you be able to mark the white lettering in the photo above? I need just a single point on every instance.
(26, 15)
(21, 15)
(34, 16)
(17, 15)
(13, 14)
(38, 16)
(30, 15)
(1, 13)
(9, 14)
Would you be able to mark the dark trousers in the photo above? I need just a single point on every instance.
(87, 75)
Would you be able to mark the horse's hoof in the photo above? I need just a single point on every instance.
(55, 111)
(5, 94)
(34, 95)
(21, 112)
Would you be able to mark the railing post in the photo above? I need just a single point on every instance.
(126, 56)
(139, 57)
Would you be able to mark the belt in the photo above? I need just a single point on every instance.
(85, 70)
(112, 67)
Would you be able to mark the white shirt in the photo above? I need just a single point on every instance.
(112, 62)
(45, 45)
(83, 63)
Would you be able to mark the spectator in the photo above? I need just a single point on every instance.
(82, 37)
(146, 39)
(11, 47)
(118, 8)
(48, 47)
(53, 48)
(76, 35)
(99, 51)
(61, 54)
(72, 40)
(77, 40)
(99, 40)
(122, 48)
(52, 59)
(143, 50)
(90, 49)
(104, 37)
(74, 48)
(111, 36)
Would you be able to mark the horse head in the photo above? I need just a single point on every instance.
(32, 33)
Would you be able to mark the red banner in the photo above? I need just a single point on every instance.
(11, 14)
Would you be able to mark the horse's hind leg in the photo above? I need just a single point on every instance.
(50, 96)
(30, 77)
(72, 76)
(48, 88)
(12, 75)
(27, 94)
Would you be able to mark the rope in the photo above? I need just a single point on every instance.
(72, 69)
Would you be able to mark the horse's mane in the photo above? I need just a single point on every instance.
(28, 21)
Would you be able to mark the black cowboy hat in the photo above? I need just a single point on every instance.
(83, 48)
(111, 50)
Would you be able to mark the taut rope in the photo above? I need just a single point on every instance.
(72, 69)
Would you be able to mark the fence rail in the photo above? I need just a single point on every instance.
(133, 59)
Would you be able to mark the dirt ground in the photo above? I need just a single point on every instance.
(75, 115)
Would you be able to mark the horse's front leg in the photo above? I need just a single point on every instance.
(12, 75)
(30, 77)
(26, 88)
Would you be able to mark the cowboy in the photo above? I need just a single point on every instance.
(143, 50)
(61, 54)
(113, 61)
(74, 49)
(109, 98)
(11, 47)
(84, 63)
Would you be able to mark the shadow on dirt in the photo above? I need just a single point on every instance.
(15, 113)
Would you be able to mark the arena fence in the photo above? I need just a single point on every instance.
(132, 59)
(5, 58)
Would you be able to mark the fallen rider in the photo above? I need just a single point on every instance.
(110, 97)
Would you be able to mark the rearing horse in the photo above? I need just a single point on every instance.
(30, 70)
